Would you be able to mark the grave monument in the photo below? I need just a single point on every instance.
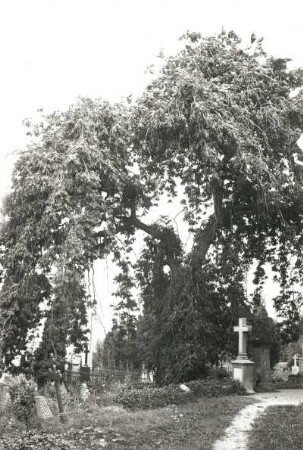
(295, 368)
(243, 368)
(85, 370)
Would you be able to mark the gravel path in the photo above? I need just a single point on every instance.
(236, 435)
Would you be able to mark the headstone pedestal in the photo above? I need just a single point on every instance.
(85, 374)
(243, 368)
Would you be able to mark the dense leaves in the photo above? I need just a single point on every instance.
(67, 187)
(265, 332)
(188, 317)
(217, 127)
(150, 398)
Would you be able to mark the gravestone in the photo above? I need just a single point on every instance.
(43, 409)
(243, 368)
(84, 392)
(85, 370)
(295, 367)
(5, 398)
(85, 374)
(146, 376)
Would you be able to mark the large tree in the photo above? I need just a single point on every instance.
(217, 125)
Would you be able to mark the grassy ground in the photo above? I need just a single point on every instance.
(279, 428)
(194, 425)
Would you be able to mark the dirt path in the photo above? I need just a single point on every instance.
(236, 435)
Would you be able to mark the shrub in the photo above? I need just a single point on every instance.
(218, 372)
(141, 385)
(215, 387)
(293, 382)
(22, 392)
(147, 398)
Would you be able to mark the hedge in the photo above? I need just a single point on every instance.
(158, 397)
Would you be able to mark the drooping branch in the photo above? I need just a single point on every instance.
(165, 235)
(152, 230)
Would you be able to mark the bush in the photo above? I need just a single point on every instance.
(141, 385)
(213, 387)
(218, 372)
(293, 382)
(147, 398)
(22, 392)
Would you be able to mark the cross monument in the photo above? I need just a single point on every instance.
(242, 329)
(85, 370)
(243, 368)
(86, 352)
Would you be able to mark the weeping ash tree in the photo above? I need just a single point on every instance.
(217, 126)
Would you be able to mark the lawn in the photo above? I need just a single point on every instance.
(193, 425)
(279, 428)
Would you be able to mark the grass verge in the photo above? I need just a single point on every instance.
(279, 428)
(195, 425)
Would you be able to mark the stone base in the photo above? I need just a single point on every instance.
(243, 371)
(85, 374)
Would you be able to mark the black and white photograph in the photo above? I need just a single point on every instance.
(151, 225)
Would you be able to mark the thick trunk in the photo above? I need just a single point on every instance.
(58, 393)
(203, 241)
(201, 246)
(152, 230)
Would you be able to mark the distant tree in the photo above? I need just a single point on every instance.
(292, 342)
(265, 332)
(121, 348)
(97, 359)
(120, 345)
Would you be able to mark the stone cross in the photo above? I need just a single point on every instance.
(86, 352)
(242, 329)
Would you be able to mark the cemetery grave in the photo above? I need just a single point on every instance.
(189, 413)
(90, 426)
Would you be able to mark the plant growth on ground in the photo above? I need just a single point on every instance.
(23, 404)
(193, 425)
(154, 397)
(279, 428)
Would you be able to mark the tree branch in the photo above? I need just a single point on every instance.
(152, 230)
(204, 240)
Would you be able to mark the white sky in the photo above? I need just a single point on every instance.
(55, 50)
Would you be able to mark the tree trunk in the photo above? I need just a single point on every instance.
(204, 239)
(58, 393)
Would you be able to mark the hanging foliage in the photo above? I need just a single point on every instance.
(218, 121)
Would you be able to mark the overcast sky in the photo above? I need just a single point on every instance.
(55, 50)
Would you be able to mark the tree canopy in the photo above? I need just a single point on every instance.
(218, 126)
